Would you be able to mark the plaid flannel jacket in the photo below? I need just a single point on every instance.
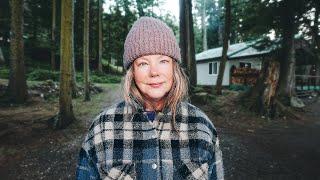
(124, 144)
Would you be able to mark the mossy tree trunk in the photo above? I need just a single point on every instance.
(53, 36)
(287, 63)
(86, 50)
(17, 87)
(187, 41)
(2, 60)
(203, 26)
(100, 37)
(66, 116)
(227, 27)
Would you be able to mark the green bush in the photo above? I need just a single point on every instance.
(235, 87)
(97, 77)
(42, 75)
(105, 79)
(4, 73)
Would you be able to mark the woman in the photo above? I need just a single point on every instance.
(154, 133)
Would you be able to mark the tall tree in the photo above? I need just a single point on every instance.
(100, 37)
(66, 115)
(226, 37)
(204, 26)
(187, 41)
(86, 50)
(2, 60)
(53, 36)
(284, 17)
(287, 64)
(17, 87)
(316, 35)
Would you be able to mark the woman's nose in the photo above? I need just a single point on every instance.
(154, 70)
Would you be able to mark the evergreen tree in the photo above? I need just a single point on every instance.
(17, 87)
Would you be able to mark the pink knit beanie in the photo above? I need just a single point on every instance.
(149, 36)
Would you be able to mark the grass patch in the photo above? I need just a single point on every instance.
(93, 107)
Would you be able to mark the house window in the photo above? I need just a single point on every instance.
(213, 68)
(245, 65)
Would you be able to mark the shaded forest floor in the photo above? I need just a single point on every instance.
(253, 147)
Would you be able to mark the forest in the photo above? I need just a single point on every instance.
(253, 67)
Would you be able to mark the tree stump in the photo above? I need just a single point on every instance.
(261, 97)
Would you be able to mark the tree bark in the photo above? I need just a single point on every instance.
(316, 38)
(86, 50)
(261, 98)
(203, 26)
(17, 87)
(187, 41)
(2, 60)
(226, 37)
(53, 38)
(287, 63)
(183, 29)
(100, 37)
(66, 115)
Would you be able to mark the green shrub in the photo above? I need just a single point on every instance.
(4, 73)
(42, 75)
(235, 87)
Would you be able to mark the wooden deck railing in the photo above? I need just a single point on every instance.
(307, 83)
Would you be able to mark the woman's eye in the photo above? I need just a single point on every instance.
(164, 61)
(142, 64)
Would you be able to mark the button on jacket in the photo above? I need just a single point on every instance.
(123, 144)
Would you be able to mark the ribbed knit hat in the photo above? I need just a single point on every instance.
(149, 36)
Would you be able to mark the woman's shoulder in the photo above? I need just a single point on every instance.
(196, 115)
(111, 113)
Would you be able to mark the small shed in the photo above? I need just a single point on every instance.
(248, 57)
(240, 55)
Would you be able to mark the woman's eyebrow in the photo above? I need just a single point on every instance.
(162, 56)
(143, 58)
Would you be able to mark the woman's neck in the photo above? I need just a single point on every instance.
(154, 106)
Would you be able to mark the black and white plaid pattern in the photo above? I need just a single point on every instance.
(124, 144)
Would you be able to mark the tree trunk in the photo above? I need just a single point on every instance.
(17, 88)
(316, 38)
(183, 30)
(287, 63)
(203, 26)
(100, 37)
(2, 60)
(53, 38)
(187, 41)
(261, 98)
(66, 115)
(86, 50)
(226, 37)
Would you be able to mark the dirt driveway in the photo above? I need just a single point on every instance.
(257, 148)
(253, 147)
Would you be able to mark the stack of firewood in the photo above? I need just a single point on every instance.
(245, 76)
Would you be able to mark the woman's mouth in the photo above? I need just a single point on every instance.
(155, 85)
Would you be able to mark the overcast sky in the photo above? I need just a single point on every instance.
(169, 5)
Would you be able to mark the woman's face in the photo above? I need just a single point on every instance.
(153, 76)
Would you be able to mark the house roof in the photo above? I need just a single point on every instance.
(235, 51)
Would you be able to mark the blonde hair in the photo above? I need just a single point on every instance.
(177, 94)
